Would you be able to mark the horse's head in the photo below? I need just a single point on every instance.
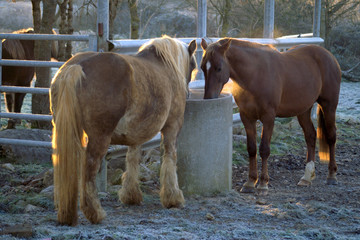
(215, 67)
(192, 64)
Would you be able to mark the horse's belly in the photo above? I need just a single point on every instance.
(132, 131)
(294, 108)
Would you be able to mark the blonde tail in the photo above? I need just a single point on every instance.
(324, 152)
(68, 141)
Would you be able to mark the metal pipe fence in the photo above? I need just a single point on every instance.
(92, 43)
(123, 47)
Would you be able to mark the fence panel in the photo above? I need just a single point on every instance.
(119, 46)
(91, 39)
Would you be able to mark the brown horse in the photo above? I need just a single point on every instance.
(269, 84)
(18, 75)
(102, 98)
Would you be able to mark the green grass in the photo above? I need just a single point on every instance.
(287, 136)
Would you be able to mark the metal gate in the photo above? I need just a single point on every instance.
(92, 46)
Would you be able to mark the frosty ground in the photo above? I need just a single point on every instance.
(288, 212)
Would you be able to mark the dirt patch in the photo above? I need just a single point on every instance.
(288, 212)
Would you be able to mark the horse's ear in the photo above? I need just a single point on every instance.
(225, 46)
(204, 44)
(192, 47)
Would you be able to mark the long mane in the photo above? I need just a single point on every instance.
(175, 55)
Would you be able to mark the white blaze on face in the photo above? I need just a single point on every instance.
(208, 66)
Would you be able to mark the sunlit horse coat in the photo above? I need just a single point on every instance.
(103, 98)
(269, 84)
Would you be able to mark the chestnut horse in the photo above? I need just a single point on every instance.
(269, 84)
(99, 99)
(18, 75)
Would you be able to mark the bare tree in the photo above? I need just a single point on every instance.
(223, 9)
(113, 6)
(65, 27)
(134, 19)
(333, 10)
(44, 24)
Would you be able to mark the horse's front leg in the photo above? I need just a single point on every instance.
(250, 128)
(130, 192)
(264, 150)
(170, 193)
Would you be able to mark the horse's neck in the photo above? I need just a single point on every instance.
(240, 66)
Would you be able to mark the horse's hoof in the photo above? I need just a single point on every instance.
(247, 189)
(172, 199)
(130, 198)
(331, 181)
(11, 124)
(98, 217)
(304, 183)
(262, 190)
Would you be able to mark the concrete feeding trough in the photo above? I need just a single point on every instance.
(204, 145)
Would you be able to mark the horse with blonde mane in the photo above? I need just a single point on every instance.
(98, 99)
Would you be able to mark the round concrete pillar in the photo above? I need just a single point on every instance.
(204, 145)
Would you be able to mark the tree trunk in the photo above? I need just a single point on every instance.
(134, 18)
(62, 29)
(36, 15)
(113, 5)
(327, 24)
(40, 103)
(66, 12)
(225, 19)
(70, 29)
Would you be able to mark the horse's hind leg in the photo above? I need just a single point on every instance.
(310, 138)
(10, 106)
(18, 102)
(327, 117)
(19, 99)
(170, 193)
(130, 192)
(89, 201)
(9, 101)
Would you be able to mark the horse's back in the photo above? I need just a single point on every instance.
(133, 95)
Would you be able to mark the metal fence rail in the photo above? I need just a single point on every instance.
(120, 46)
(91, 39)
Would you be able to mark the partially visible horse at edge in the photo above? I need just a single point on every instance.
(269, 84)
(102, 98)
(19, 75)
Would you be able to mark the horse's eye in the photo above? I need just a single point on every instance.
(218, 69)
